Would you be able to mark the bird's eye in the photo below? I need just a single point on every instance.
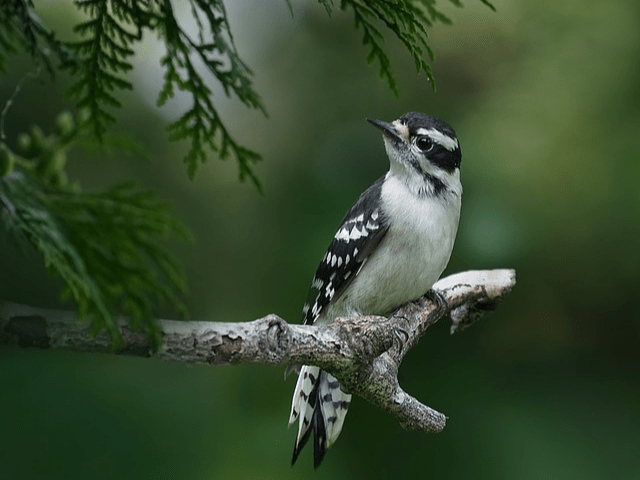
(424, 143)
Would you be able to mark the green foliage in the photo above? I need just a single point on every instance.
(116, 232)
(214, 48)
(21, 27)
(105, 246)
(100, 59)
(407, 20)
(105, 50)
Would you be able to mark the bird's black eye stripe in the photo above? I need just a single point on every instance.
(424, 143)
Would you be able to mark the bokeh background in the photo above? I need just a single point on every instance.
(545, 98)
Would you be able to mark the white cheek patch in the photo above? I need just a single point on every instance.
(401, 129)
(440, 138)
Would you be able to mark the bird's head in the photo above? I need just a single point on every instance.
(423, 152)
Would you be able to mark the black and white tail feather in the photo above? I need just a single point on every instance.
(390, 248)
(317, 399)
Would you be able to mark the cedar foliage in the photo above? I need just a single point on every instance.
(106, 246)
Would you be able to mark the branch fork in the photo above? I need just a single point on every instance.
(364, 353)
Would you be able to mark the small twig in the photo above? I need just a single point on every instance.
(7, 106)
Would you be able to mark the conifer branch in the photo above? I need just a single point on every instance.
(99, 60)
(104, 246)
(364, 353)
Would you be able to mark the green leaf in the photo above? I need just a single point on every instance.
(104, 53)
(27, 218)
(104, 246)
(202, 124)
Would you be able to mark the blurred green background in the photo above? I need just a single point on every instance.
(546, 101)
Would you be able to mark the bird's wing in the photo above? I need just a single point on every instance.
(360, 232)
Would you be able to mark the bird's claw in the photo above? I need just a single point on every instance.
(436, 297)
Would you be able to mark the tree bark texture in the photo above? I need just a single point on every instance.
(364, 353)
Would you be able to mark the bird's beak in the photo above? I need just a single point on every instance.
(388, 130)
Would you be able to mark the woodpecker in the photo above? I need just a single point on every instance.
(390, 248)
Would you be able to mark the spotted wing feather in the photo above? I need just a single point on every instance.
(359, 234)
(319, 405)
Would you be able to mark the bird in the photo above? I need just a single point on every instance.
(390, 248)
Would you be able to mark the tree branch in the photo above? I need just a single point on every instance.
(364, 353)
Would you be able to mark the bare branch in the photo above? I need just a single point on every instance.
(364, 353)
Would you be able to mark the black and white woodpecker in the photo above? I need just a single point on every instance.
(390, 248)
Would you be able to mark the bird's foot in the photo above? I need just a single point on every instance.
(441, 303)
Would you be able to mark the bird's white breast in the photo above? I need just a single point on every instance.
(410, 258)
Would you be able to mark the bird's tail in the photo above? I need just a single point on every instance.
(320, 406)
